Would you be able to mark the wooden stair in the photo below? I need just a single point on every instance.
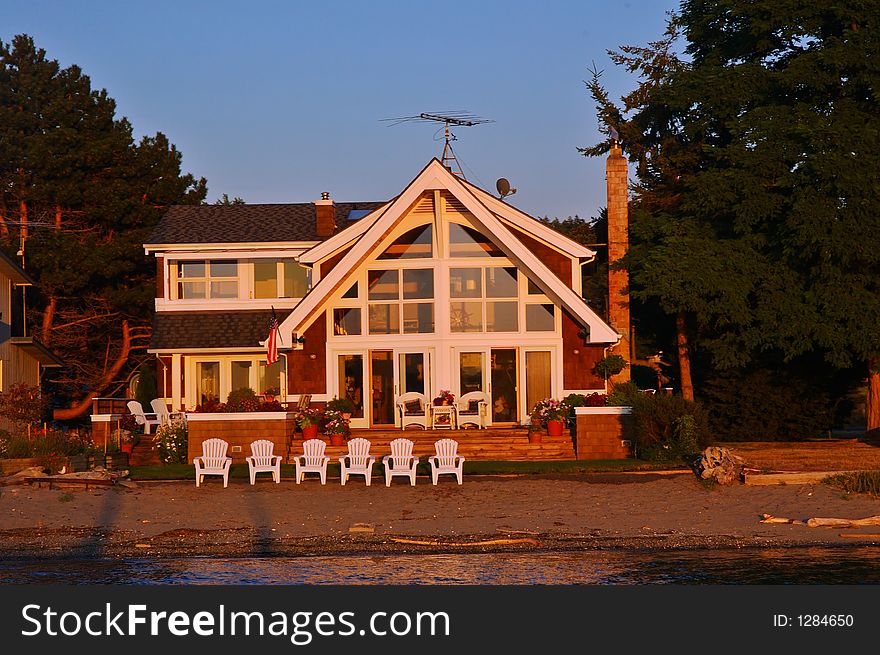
(511, 444)
(144, 453)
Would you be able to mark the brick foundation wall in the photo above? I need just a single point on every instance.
(240, 432)
(601, 435)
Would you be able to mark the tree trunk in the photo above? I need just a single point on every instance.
(873, 404)
(684, 357)
(48, 320)
(83, 406)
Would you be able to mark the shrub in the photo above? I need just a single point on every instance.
(668, 428)
(341, 405)
(858, 482)
(146, 387)
(171, 440)
(242, 400)
(767, 405)
(23, 405)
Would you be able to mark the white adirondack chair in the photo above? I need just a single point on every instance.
(472, 407)
(446, 460)
(161, 410)
(263, 460)
(147, 420)
(413, 409)
(312, 460)
(213, 461)
(358, 461)
(400, 461)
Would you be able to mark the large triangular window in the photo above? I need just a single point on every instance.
(467, 242)
(415, 244)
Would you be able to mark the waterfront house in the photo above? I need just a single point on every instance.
(442, 287)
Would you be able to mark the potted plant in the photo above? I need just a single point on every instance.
(308, 421)
(535, 433)
(445, 397)
(270, 394)
(337, 427)
(342, 405)
(553, 413)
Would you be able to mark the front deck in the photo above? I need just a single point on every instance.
(490, 444)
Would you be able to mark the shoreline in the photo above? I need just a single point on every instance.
(609, 511)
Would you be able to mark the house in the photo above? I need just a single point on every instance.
(442, 287)
(22, 358)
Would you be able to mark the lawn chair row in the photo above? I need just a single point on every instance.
(358, 461)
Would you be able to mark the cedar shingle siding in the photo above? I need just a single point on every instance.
(247, 223)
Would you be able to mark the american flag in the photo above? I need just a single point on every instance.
(271, 342)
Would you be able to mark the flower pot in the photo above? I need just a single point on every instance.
(534, 436)
(337, 440)
(554, 428)
(126, 447)
(310, 432)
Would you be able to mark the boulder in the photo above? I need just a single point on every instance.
(719, 464)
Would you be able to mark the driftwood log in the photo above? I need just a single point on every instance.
(720, 465)
(823, 522)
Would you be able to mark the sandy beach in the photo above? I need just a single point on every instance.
(165, 519)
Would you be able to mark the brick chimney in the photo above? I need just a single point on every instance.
(325, 215)
(618, 242)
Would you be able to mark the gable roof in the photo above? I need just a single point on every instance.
(436, 176)
(247, 223)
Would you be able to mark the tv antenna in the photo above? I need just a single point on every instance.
(462, 118)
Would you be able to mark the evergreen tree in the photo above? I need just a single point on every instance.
(757, 153)
(79, 197)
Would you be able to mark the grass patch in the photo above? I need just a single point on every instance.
(65, 498)
(857, 482)
(487, 467)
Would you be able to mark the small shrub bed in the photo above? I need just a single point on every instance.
(857, 482)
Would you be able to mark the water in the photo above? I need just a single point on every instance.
(812, 565)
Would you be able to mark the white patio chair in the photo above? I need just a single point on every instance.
(400, 461)
(161, 410)
(141, 418)
(358, 461)
(312, 460)
(446, 460)
(413, 409)
(472, 407)
(263, 460)
(213, 461)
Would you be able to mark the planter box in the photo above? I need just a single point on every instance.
(239, 430)
(603, 432)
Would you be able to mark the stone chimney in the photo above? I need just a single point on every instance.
(618, 242)
(325, 215)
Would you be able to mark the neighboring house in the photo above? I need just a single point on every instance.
(443, 287)
(22, 358)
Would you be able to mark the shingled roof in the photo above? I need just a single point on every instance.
(247, 223)
(175, 330)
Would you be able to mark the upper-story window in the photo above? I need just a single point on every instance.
(280, 278)
(397, 299)
(467, 242)
(483, 299)
(207, 279)
(414, 244)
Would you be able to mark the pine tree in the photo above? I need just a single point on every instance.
(78, 197)
(759, 149)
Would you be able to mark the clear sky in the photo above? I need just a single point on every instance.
(279, 101)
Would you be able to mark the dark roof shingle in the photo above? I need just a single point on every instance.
(212, 329)
(246, 223)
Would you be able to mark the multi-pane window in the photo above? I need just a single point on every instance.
(280, 278)
(396, 301)
(207, 279)
(484, 299)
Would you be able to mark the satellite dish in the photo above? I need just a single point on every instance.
(503, 187)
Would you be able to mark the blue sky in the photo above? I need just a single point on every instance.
(279, 101)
